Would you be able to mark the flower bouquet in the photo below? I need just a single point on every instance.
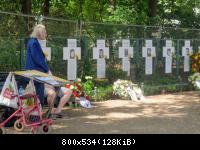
(195, 67)
(127, 90)
(195, 80)
(79, 94)
(195, 62)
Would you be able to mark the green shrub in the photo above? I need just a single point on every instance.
(170, 88)
(88, 85)
(113, 73)
(103, 93)
(101, 82)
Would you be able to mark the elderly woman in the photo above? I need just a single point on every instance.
(35, 58)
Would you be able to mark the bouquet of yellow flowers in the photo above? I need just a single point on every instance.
(194, 79)
(195, 62)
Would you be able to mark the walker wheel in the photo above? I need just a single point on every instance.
(2, 130)
(45, 129)
(19, 125)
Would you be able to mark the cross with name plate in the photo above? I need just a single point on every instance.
(168, 52)
(186, 52)
(126, 52)
(101, 53)
(71, 53)
(148, 52)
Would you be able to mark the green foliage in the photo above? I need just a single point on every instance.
(88, 85)
(169, 13)
(171, 88)
(104, 93)
(9, 55)
(101, 82)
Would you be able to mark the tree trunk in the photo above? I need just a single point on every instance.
(26, 9)
(81, 9)
(152, 18)
(46, 7)
(152, 8)
(26, 6)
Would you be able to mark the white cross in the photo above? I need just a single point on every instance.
(148, 52)
(186, 52)
(46, 50)
(126, 52)
(168, 51)
(101, 53)
(71, 53)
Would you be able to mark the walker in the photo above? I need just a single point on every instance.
(28, 107)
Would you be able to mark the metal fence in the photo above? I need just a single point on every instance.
(15, 29)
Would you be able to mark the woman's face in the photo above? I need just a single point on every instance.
(42, 35)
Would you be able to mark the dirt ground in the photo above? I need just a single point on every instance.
(160, 114)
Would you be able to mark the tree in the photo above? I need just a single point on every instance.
(152, 8)
(26, 6)
(46, 7)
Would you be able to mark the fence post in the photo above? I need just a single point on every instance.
(136, 57)
(21, 53)
(157, 49)
(86, 63)
(177, 60)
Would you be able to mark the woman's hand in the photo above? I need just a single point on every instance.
(50, 73)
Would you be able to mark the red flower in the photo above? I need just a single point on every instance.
(68, 86)
(87, 97)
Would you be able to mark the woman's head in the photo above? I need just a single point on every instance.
(39, 32)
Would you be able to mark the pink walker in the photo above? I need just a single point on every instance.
(24, 113)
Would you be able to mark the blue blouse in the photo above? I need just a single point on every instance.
(35, 58)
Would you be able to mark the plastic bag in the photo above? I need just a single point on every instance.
(85, 103)
(9, 90)
(30, 89)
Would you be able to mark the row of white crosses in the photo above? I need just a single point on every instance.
(70, 53)
(101, 52)
(149, 52)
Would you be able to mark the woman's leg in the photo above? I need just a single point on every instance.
(39, 87)
(66, 94)
(51, 94)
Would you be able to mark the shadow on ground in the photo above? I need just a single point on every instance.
(171, 113)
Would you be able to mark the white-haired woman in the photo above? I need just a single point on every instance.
(35, 58)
